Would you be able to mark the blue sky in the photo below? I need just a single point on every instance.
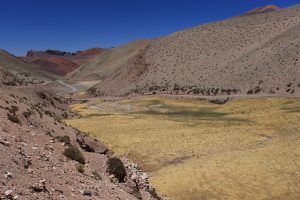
(73, 25)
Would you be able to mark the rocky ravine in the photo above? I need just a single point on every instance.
(33, 139)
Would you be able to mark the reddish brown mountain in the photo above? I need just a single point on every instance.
(55, 65)
(263, 9)
(14, 70)
(60, 62)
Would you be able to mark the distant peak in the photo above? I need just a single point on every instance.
(263, 9)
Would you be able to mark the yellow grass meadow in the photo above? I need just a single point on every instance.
(245, 149)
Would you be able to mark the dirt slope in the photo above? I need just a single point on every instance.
(53, 65)
(22, 70)
(33, 138)
(59, 62)
(107, 62)
(252, 54)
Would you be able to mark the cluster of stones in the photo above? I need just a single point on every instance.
(135, 174)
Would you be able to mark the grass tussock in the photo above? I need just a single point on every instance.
(80, 168)
(64, 139)
(115, 166)
(74, 153)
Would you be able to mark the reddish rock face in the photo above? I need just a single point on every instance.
(60, 62)
(82, 57)
(268, 8)
(55, 65)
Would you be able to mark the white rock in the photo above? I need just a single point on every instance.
(8, 175)
(134, 177)
(8, 192)
(43, 181)
(4, 142)
(81, 192)
(144, 176)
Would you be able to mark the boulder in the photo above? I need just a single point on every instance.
(91, 145)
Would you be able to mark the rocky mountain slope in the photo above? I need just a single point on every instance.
(245, 55)
(43, 158)
(59, 62)
(263, 9)
(103, 65)
(18, 69)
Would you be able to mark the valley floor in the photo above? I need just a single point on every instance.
(245, 149)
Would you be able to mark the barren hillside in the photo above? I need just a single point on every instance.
(53, 65)
(103, 65)
(246, 55)
(263, 9)
(43, 158)
(60, 62)
(21, 70)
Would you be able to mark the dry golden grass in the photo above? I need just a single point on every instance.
(245, 149)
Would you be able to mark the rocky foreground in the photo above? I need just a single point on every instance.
(43, 158)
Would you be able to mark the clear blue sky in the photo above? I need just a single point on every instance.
(80, 24)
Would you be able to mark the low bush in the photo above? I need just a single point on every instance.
(65, 139)
(42, 95)
(74, 153)
(27, 113)
(96, 175)
(13, 118)
(14, 109)
(49, 133)
(115, 166)
(80, 168)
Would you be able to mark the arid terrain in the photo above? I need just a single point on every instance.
(209, 112)
(60, 62)
(42, 157)
(254, 54)
(263, 9)
(193, 149)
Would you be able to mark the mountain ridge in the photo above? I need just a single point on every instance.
(60, 62)
(246, 55)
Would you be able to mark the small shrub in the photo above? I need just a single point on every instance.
(49, 113)
(27, 113)
(40, 113)
(154, 194)
(49, 133)
(65, 139)
(116, 167)
(42, 95)
(13, 118)
(136, 192)
(14, 109)
(96, 175)
(80, 168)
(65, 115)
(74, 153)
